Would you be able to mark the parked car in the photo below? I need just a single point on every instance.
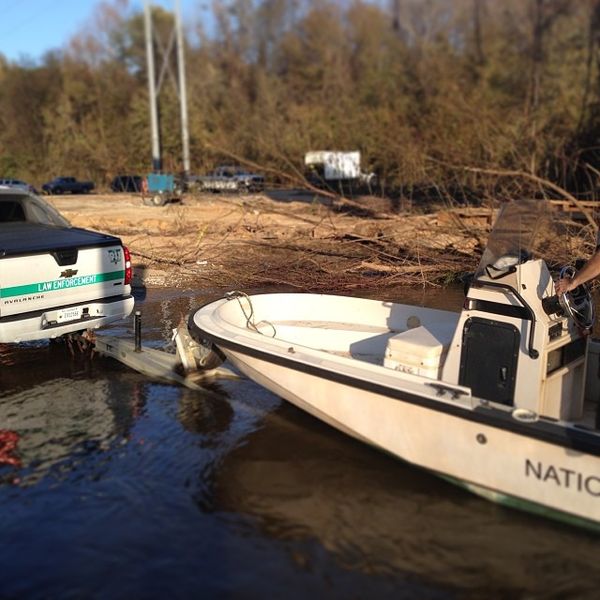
(56, 279)
(231, 178)
(19, 184)
(60, 185)
(126, 183)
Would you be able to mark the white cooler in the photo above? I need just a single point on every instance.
(421, 350)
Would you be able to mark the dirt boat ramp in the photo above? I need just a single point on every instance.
(286, 239)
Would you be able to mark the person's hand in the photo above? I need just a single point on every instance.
(564, 285)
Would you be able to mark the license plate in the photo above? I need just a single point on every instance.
(68, 314)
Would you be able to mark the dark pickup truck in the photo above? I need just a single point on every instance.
(62, 185)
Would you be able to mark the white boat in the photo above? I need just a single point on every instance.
(491, 398)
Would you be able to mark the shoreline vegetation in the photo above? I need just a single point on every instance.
(463, 101)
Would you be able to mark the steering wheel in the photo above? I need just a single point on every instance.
(577, 303)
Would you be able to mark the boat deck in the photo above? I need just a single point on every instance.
(366, 343)
(358, 341)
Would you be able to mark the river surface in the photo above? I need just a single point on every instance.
(115, 486)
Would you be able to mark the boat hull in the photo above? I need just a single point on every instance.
(486, 460)
(526, 465)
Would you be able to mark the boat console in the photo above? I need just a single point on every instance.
(509, 350)
(516, 343)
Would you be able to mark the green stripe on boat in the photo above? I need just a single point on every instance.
(60, 284)
(524, 505)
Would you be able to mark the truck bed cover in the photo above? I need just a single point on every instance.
(29, 238)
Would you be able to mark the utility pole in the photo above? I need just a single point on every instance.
(154, 89)
(397, 25)
(156, 160)
(185, 136)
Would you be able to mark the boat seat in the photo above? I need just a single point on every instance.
(420, 350)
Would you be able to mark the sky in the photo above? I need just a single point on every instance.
(29, 28)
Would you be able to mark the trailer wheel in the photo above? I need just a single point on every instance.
(159, 200)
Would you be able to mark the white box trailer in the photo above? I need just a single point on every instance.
(328, 167)
(334, 166)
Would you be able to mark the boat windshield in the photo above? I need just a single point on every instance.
(523, 230)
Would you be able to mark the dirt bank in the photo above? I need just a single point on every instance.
(284, 239)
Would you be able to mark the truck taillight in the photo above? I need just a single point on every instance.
(128, 269)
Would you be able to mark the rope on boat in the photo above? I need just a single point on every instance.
(250, 324)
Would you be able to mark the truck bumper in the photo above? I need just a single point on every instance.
(55, 322)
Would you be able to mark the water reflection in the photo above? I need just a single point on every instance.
(202, 415)
(56, 406)
(303, 480)
(22, 365)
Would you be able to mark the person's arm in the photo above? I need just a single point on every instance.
(590, 270)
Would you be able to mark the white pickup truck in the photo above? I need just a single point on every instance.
(56, 279)
(230, 178)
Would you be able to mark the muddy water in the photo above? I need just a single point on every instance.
(113, 486)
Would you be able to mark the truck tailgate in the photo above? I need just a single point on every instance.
(48, 267)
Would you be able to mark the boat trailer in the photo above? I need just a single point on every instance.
(189, 366)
